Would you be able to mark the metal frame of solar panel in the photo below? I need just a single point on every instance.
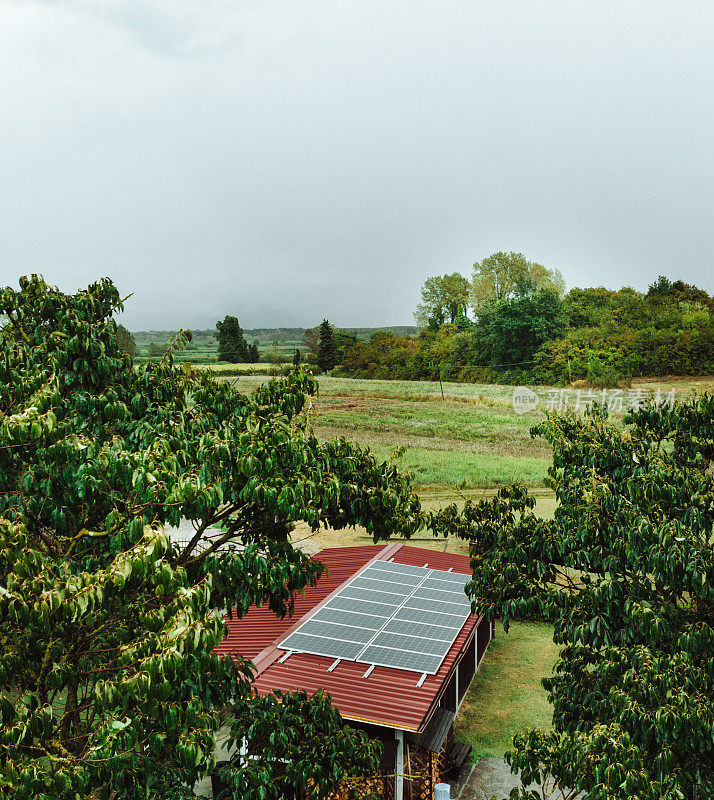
(390, 615)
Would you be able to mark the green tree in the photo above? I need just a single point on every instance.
(232, 346)
(343, 341)
(661, 287)
(503, 276)
(311, 340)
(253, 353)
(518, 327)
(274, 356)
(156, 350)
(625, 571)
(126, 341)
(327, 355)
(444, 298)
(109, 685)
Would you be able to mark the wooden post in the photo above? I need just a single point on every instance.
(399, 766)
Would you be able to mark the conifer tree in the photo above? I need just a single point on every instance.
(327, 355)
(126, 341)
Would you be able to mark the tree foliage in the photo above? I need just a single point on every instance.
(626, 573)
(156, 350)
(311, 339)
(109, 684)
(126, 341)
(327, 354)
(503, 276)
(603, 336)
(232, 346)
(444, 298)
(292, 736)
(517, 328)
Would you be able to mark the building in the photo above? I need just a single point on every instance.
(410, 710)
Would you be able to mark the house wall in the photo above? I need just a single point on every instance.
(484, 634)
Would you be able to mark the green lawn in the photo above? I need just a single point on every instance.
(506, 696)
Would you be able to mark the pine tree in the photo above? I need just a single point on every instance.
(254, 353)
(327, 355)
(232, 346)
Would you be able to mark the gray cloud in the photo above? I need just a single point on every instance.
(287, 161)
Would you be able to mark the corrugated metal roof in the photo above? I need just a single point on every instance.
(388, 696)
(260, 627)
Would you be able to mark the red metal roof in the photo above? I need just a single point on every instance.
(388, 696)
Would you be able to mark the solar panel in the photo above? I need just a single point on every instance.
(400, 659)
(443, 586)
(438, 607)
(397, 578)
(449, 577)
(349, 618)
(362, 606)
(419, 615)
(422, 629)
(321, 646)
(391, 615)
(379, 586)
(399, 569)
(331, 630)
(414, 644)
(387, 598)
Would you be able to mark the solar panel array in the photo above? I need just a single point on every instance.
(390, 615)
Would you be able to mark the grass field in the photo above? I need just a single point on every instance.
(222, 368)
(470, 439)
(506, 696)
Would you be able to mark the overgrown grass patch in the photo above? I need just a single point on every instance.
(506, 696)
(471, 439)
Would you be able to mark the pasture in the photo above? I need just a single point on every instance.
(470, 439)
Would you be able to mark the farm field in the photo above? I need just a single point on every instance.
(681, 384)
(471, 439)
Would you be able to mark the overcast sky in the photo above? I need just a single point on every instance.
(289, 160)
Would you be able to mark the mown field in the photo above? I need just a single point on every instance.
(506, 696)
